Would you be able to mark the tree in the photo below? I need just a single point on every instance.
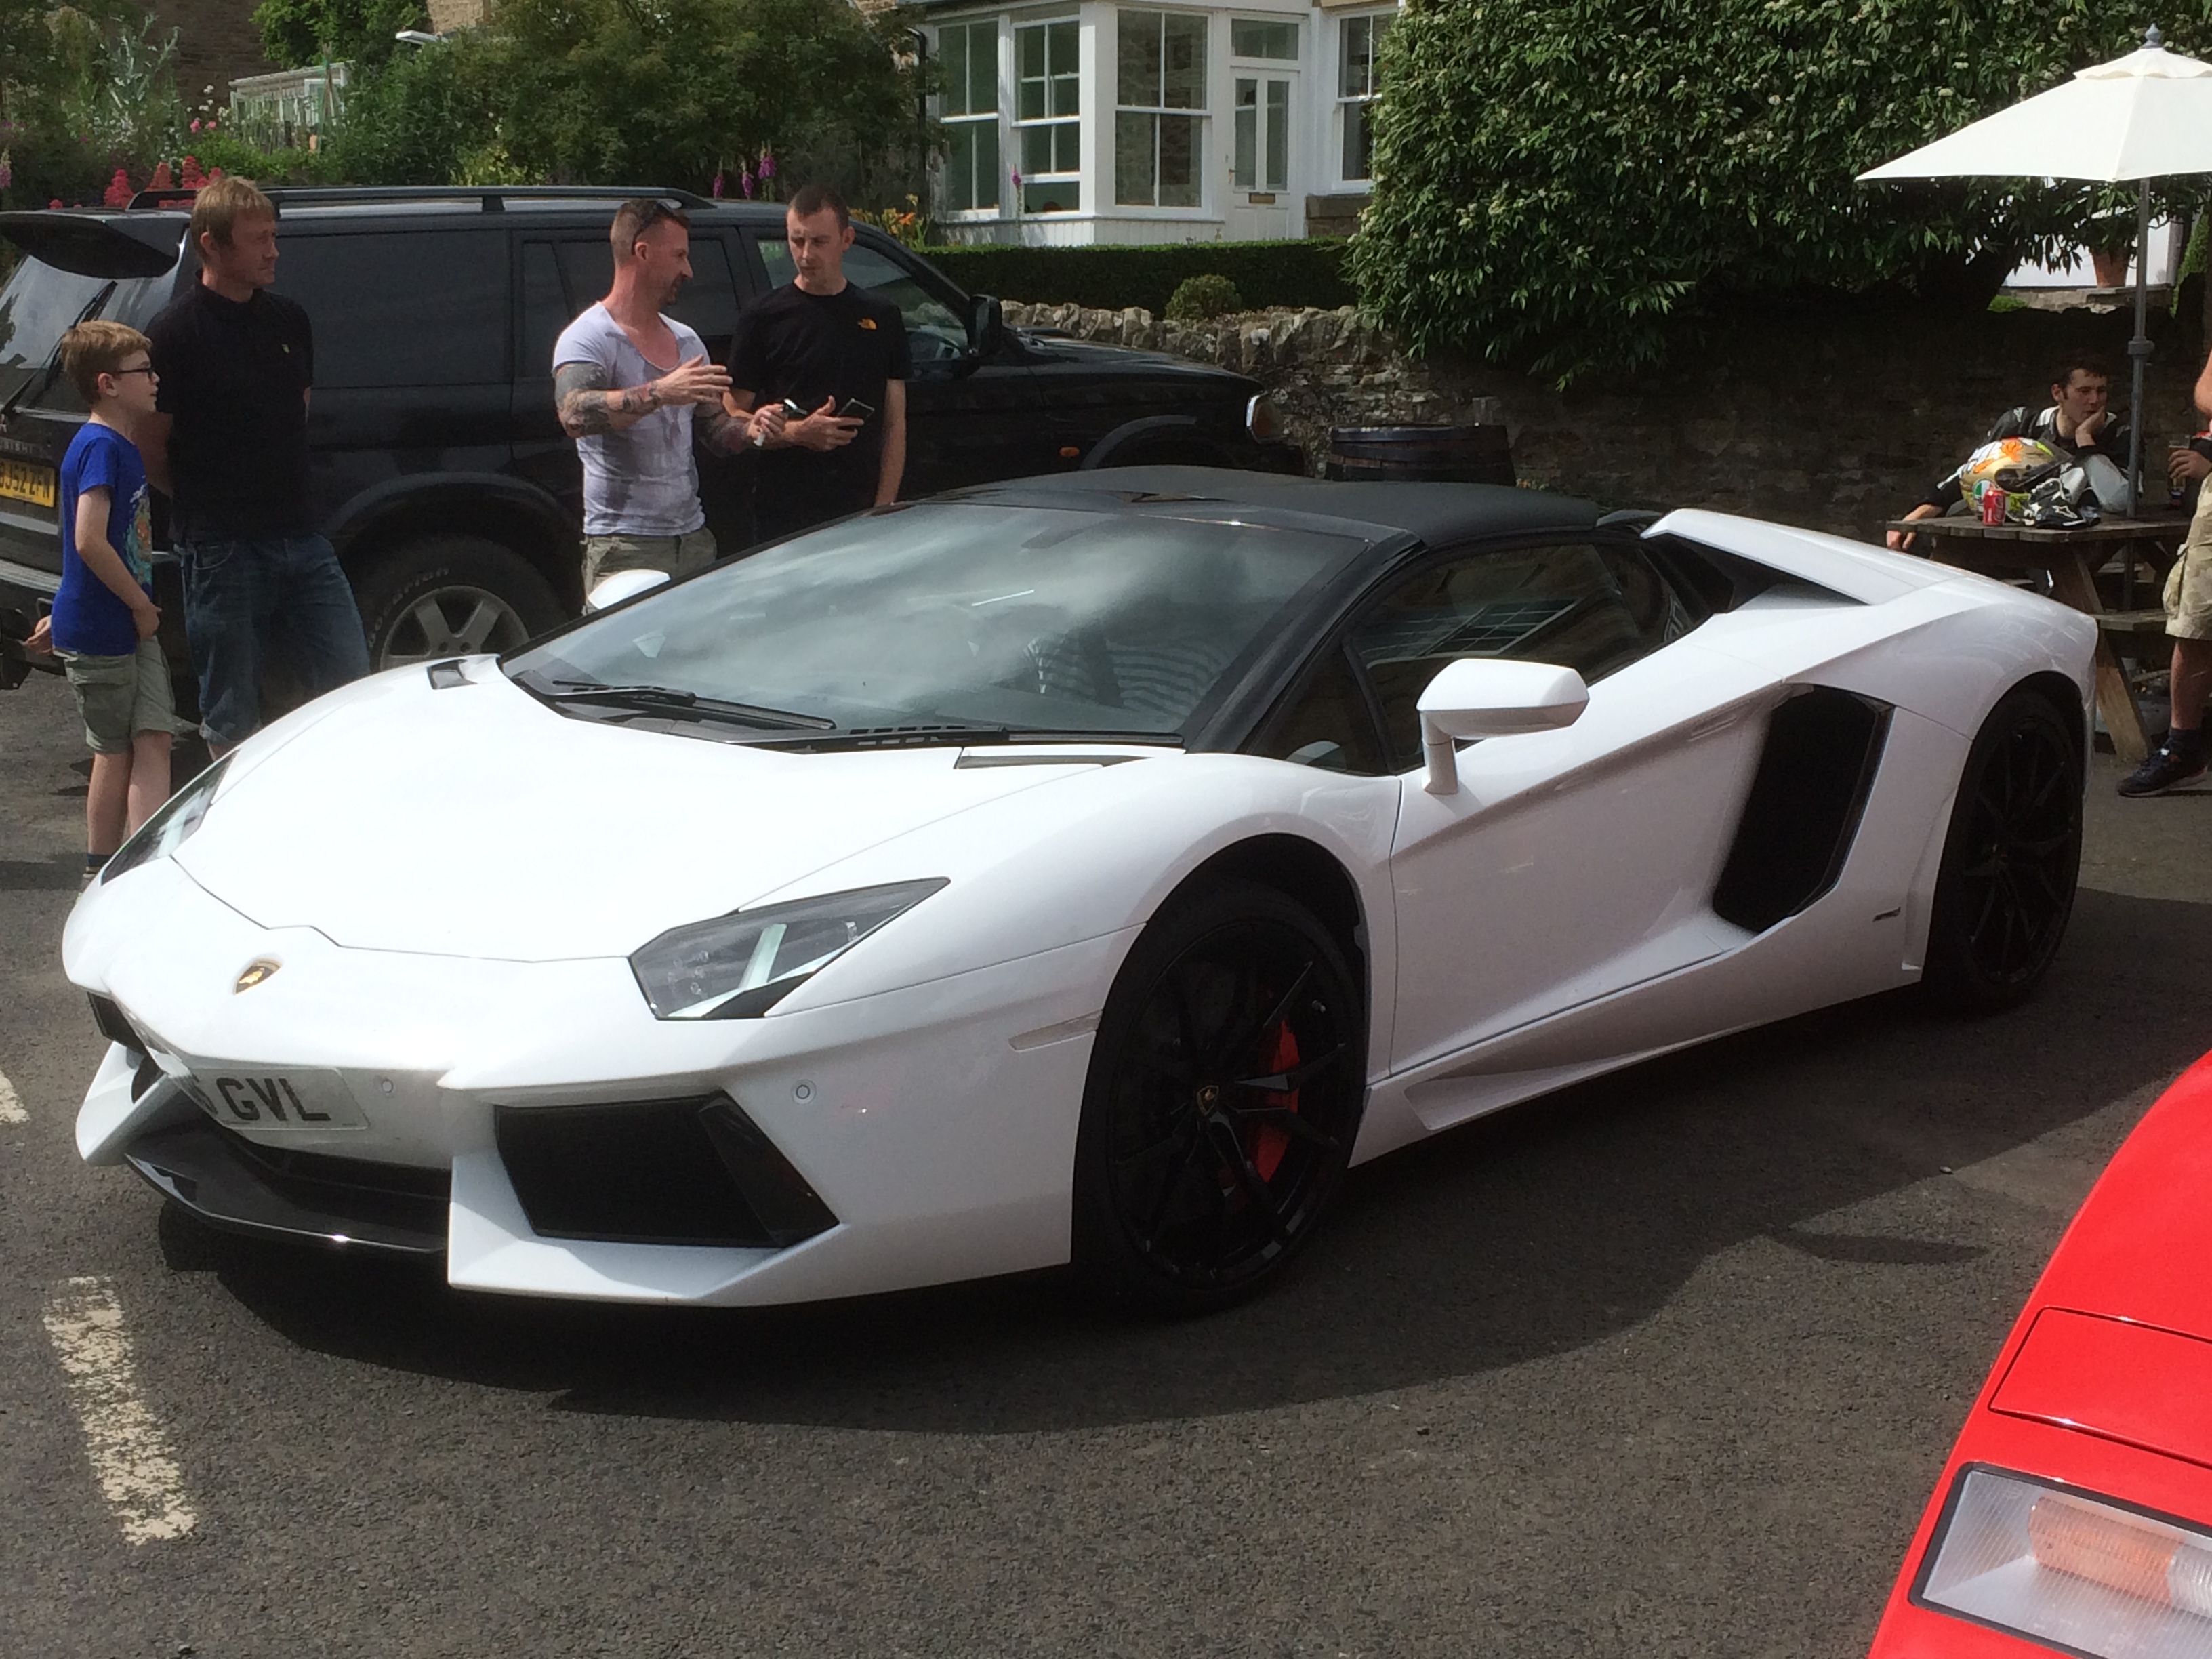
(611, 92)
(359, 33)
(1553, 180)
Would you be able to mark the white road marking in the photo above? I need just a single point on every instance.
(11, 1103)
(130, 1452)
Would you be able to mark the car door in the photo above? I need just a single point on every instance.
(1567, 864)
(402, 386)
(967, 422)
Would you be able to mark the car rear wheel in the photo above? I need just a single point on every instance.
(1224, 1090)
(2006, 887)
(450, 596)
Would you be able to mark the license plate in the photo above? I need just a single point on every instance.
(299, 1099)
(27, 481)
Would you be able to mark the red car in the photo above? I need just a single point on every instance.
(2075, 1513)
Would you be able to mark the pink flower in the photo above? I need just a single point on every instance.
(196, 125)
(745, 181)
(118, 193)
(715, 189)
(766, 165)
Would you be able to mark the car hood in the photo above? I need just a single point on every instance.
(1094, 353)
(477, 822)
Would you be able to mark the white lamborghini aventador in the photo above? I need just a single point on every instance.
(1087, 868)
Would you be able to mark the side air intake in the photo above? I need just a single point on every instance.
(1823, 749)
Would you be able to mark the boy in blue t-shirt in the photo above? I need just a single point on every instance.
(104, 616)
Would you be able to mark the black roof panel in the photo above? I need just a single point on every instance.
(1435, 512)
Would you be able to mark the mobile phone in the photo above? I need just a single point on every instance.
(854, 410)
(792, 411)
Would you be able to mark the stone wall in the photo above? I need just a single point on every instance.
(1834, 419)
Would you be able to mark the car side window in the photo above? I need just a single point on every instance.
(934, 331)
(1594, 606)
(1325, 722)
(363, 297)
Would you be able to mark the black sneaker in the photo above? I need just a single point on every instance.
(2167, 769)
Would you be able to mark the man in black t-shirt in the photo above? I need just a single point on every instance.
(229, 445)
(838, 353)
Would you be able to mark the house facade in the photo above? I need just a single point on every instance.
(1096, 121)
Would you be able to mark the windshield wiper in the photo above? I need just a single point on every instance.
(680, 704)
(923, 735)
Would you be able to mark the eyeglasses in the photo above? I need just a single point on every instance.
(142, 368)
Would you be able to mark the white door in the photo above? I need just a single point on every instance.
(1260, 149)
(1569, 864)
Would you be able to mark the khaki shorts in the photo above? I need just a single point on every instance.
(122, 697)
(679, 556)
(2189, 584)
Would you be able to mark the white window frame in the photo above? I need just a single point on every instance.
(1353, 106)
(1198, 114)
(966, 116)
(1070, 119)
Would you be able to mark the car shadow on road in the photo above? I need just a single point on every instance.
(1531, 1233)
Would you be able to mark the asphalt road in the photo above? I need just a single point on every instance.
(1663, 1365)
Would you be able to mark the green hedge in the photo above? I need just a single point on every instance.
(1110, 276)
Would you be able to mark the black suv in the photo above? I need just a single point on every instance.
(439, 470)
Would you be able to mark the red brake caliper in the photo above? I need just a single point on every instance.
(1268, 1142)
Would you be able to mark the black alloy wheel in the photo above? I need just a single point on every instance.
(1225, 1092)
(2006, 887)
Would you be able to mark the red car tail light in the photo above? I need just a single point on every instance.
(2085, 1574)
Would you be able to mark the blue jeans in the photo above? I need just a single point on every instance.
(250, 600)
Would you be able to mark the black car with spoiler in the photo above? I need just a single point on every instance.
(439, 467)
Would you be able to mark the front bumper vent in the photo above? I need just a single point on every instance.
(246, 1187)
(656, 1172)
(115, 1024)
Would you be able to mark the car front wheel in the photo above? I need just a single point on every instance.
(1224, 1094)
(450, 596)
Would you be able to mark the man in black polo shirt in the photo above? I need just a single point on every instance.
(229, 445)
(840, 354)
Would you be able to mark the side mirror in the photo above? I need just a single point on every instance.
(987, 328)
(622, 584)
(1492, 697)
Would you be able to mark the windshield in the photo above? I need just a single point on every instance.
(38, 304)
(950, 616)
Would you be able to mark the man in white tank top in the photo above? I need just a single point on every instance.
(634, 389)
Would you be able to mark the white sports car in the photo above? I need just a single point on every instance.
(1087, 868)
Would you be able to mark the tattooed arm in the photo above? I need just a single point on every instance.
(588, 406)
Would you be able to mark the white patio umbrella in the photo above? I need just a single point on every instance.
(2146, 116)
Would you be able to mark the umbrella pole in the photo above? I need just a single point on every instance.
(2138, 352)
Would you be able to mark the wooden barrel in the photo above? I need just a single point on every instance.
(1478, 453)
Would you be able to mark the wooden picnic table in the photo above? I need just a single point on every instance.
(2071, 559)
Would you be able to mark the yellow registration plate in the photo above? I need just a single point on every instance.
(27, 481)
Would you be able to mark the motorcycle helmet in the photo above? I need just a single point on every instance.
(2013, 466)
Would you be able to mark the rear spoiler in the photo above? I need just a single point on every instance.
(98, 245)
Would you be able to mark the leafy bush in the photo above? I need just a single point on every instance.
(1552, 181)
(1201, 299)
(1111, 276)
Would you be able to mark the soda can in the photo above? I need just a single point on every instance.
(1993, 504)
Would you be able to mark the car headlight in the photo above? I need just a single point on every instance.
(170, 828)
(2070, 1570)
(1263, 419)
(741, 965)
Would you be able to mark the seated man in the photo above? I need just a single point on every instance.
(2077, 424)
